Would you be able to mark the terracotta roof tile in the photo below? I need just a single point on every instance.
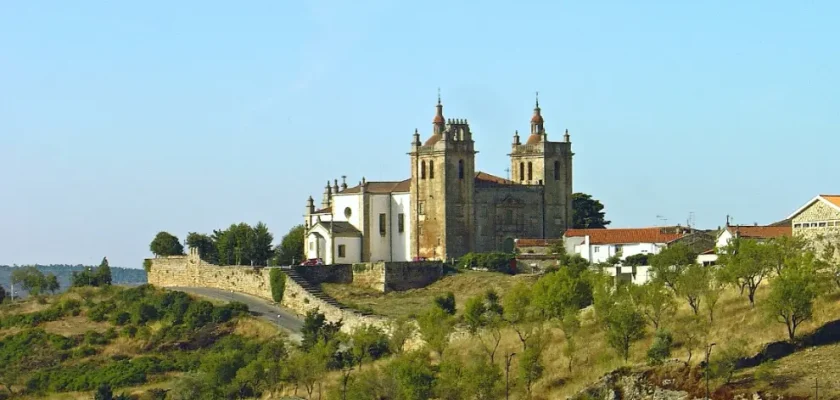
(625, 235)
(483, 177)
(832, 198)
(432, 140)
(760, 232)
(381, 187)
(534, 139)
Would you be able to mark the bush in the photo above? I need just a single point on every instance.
(278, 284)
(765, 372)
(446, 303)
(661, 348)
(495, 261)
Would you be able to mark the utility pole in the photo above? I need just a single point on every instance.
(708, 353)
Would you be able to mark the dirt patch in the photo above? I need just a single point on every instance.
(70, 326)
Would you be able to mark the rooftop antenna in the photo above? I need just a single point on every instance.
(508, 173)
(663, 219)
(690, 221)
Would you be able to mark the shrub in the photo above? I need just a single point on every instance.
(495, 261)
(446, 303)
(121, 318)
(765, 372)
(661, 348)
(278, 284)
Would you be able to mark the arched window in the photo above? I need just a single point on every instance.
(431, 170)
(422, 169)
(460, 169)
(521, 171)
(557, 170)
(530, 171)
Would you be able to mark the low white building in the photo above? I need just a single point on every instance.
(754, 232)
(368, 222)
(598, 245)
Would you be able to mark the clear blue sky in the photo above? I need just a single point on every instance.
(121, 119)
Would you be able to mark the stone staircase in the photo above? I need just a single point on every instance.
(315, 290)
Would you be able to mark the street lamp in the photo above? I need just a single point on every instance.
(708, 353)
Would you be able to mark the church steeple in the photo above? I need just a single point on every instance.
(439, 122)
(537, 127)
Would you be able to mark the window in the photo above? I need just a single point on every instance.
(342, 251)
(557, 170)
(422, 169)
(420, 209)
(347, 212)
(431, 170)
(460, 169)
(521, 171)
(797, 225)
(530, 171)
(401, 223)
(596, 249)
(822, 224)
(382, 224)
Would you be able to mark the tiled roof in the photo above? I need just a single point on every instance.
(339, 228)
(760, 232)
(832, 198)
(534, 139)
(381, 187)
(624, 235)
(536, 242)
(324, 210)
(485, 177)
(432, 140)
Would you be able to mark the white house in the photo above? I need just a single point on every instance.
(598, 245)
(367, 222)
(754, 232)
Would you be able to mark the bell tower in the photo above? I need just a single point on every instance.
(541, 162)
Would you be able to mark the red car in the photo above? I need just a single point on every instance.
(312, 262)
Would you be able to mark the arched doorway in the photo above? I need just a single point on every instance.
(508, 245)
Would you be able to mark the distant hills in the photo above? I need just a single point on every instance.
(119, 275)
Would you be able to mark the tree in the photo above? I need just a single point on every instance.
(316, 328)
(31, 279)
(435, 326)
(587, 212)
(2, 294)
(368, 342)
(103, 273)
(745, 264)
(692, 284)
(401, 331)
(557, 292)
(531, 366)
(711, 296)
(692, 334)
(667, 266)
(570, 327)
(103, 392)
(520, 313)
(205, 245)
(636, 260)
(792, 294)
(625, 325)
(261, 240)
(165, 244)
(724, 363)
(785, 249)
(446, 302)
(484, 314)
(661, 348)
(52, 284)
(290, 249)
(654, 300)
(476, 379)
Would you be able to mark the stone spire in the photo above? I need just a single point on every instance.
(439, 122)
(416, 141)
(335, 186)
(537, 121)
(516, 138)
(566, 136)
(310, 206)
(325, 201)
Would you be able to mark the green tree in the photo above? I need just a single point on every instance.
(401, 331)
(692, 333)
(205, 245)
(724, 362)
(520, 313)
(166, 244)
(792, 294)
(316, 328)
(368, 342)
(786, 249)
(654, 301)
(745, 264)
(625, 325)
(587, 212)
(435, 326)
(667, 266)
(570, 327)
(531, 366)
(30, 279)
(290, 250)
(636, 260)
(558, 292)
(711, 297)
(478, 379)
(261, 244)
(52, 284)
(661, 348)
(692, 284)
(103, 273)
(484, 315)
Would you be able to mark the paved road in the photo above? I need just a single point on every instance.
(259, 307)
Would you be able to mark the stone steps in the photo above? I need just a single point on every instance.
(315, 290)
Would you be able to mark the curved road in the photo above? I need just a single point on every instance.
(258, 307)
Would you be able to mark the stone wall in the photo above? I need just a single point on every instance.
(506, 212)
(409, 275)
(336, 273)
(191, 271)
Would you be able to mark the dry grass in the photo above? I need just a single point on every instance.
(411, 302)
(167, 382)
(256, 328)
(69, 326)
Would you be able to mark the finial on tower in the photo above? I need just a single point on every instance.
(538, 99)
(438, 95)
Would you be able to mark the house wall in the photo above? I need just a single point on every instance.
(340, 202)
(636, 275)
(597, 253)
(401, 241)
(827, 221)
(724, 239)
(316, 246)
(352, 250)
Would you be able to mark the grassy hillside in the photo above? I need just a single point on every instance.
(119, 275)
(135, 340)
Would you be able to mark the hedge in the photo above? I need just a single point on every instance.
(278, 284)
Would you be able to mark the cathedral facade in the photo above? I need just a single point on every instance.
(446, 208)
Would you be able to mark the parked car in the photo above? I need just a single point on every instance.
(419, 259)
(312, 262)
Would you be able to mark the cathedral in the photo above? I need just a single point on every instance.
(446, 208)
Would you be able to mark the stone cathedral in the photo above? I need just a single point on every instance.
(446, 208)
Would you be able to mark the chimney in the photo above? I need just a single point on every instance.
(343, 182)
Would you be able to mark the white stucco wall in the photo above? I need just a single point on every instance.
(723, 239)
(316, 246)
(597, 253)
(352, 250)
(401, 241)
(353, 201)
(642, 276)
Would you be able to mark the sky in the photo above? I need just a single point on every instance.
(122, 119)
